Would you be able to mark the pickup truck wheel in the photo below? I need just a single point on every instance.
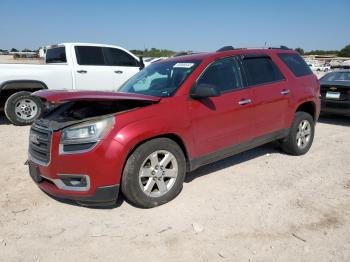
(22, 109)
(154, 173)
(301, 135)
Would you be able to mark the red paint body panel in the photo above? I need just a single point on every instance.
(203, 126)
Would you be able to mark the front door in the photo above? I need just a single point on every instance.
(226, 120)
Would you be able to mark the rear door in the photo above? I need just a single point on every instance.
(123, 65)
(270, 91)
(226, 120)
(91, 72)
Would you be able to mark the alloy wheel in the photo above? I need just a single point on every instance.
(158, 173)
(303, 134)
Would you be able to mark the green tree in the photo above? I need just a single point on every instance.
(153, 52)
(14, 50)
(299, 50)
(26, 50)
(322, 52)
(345, 52)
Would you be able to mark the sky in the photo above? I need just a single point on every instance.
(177, 25)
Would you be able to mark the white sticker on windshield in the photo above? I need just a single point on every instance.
(183, 65)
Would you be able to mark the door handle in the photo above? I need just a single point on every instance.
(118, 72)
(244, 102)
(285, 92)
(82, 71)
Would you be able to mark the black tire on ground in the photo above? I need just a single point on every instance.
(130, 184)
(289, 144)
(35, 105)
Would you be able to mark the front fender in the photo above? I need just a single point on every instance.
(135, 133)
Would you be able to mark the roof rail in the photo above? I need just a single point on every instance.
(225, 48)
(182, 53)
(283, 47)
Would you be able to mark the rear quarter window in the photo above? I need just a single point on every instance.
(296, 64)
(56, 55)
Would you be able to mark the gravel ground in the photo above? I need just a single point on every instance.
(261, 205)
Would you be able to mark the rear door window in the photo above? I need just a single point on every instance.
(261, 70)
(117, 57)
(89, 55)
(296, 64)
(56, 55)
(224, 74)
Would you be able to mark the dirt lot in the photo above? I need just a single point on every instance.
(261, 205)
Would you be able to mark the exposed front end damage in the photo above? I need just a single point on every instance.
(68, 143)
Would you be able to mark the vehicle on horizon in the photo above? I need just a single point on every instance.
(68, 66)
(172, 117)
(335, 92)
(4, 52)
(320, 68)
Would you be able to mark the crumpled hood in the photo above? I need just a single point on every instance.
(58, 96)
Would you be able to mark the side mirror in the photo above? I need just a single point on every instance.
(204, 91)
(142, 64)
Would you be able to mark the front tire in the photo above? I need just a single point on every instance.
(154, 173)
(22, 109)
(301, 135)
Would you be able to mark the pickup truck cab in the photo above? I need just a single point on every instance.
(67, 66)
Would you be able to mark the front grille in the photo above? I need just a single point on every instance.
(40, 144)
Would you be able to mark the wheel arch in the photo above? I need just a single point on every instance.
(308, 107)
(176, 138)
(22, 85)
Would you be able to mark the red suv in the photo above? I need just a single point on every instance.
(169, 119)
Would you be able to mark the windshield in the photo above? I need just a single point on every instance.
(160, 79)
(337, 76)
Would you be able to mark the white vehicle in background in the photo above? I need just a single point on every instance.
(320, 68)
(346, 64)
(312, 66)
(68, 66)
(153, 59)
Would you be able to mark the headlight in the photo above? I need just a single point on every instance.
(87, 132)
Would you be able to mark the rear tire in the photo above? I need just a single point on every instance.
(154, 173)
(22, 109)
(301, 135)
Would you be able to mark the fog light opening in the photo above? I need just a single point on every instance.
(74, 182)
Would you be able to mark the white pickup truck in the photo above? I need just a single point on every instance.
(68, 66)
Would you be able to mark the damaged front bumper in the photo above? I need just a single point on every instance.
(90, 178)
(60, 188)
